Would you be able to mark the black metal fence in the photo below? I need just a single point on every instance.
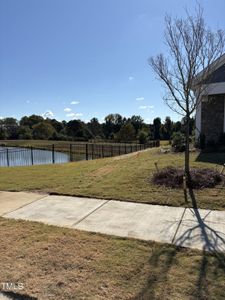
(65, 152)
(17, 156)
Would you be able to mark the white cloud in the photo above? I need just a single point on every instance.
(1, 118)
(67, 109)
(140, 98)
(73, 115)
(48, 114)
(70, 115)
(148, 107)
(28, 101)
(131, 78)
(74, 102)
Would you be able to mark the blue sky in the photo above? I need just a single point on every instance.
(92, 53)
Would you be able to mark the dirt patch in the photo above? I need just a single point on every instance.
(126, 156)
(103, 171)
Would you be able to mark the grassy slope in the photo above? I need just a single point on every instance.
(124, 178)
(57, 263)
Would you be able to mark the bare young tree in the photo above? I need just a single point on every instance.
(193, 48)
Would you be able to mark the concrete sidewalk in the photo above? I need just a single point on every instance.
(201, 229)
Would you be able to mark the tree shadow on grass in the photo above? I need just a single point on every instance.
(207, 269)
(162, 259)
(212, 241)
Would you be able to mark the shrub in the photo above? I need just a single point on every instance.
(142, 137)
(178, 142)
(200, 178)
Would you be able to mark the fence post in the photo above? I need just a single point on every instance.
(71, 149)
(102, 151)
(125, 149)
(7, 156)
(87, 151)
(111, 150)
(92, 151)
(53, 153)
(32, 156)
(119, 149)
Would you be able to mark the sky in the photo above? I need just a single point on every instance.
(69, 59)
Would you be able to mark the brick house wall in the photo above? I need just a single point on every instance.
(210, 111)
(212, 117)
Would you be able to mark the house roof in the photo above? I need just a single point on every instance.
(216, 71)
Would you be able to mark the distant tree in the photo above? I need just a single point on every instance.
(31, 120)
(157, 127)
(95, 127)
(59, 136)
(137, 122)
(168, 127)
(113, 124)
(127, 133)
(25, 133)
(43, 131)
(3, 134)
(142, 137)
(11, 127)
(56, 124)
(78, 130)
(177, 126)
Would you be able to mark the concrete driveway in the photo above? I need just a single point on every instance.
(201, 229)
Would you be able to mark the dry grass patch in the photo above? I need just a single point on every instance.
(57, 263)
(103, 171)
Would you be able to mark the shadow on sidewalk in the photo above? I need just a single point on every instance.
(212, 240)
(205, 267)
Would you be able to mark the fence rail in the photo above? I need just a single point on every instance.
(65, 152)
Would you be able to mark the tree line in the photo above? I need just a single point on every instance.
(114, 128)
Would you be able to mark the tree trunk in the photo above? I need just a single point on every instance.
(187, 150)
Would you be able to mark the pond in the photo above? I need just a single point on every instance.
(15, 156)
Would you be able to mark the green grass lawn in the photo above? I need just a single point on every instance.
(58, 263)
(125, 178)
